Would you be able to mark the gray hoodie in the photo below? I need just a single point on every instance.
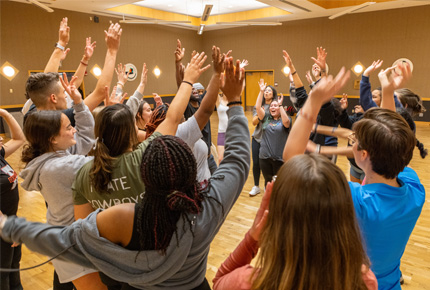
(53, 173)
(184, 265)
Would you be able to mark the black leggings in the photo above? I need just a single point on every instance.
(269, 167)
(255, 161)
(115, 285)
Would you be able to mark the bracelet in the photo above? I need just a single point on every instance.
(334, 129)
(188, 83)
(318, 150)
(57, 45)
(234, 103)
(120, 83)
(83, 63)
(294, 73)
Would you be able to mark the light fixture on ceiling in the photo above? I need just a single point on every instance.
(43, 6)
(96, 71)
(358, 68)
(200, 31)
(351, 10)
(154, 21)
(157, 71)
(207, 12)
(8, 71)
(250, 23)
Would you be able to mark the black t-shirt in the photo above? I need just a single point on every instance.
(68, 112)
(9, 196)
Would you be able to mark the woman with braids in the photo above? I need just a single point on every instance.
(113, 177)
(53, 156)
(164, 241)
(306, 226)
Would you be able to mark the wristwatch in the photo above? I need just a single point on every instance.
(60, 46)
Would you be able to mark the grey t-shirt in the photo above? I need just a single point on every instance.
(274, 137)
(258, 132)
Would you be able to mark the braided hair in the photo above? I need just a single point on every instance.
(169, 173)
(158, 116)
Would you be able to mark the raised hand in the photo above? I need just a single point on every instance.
(113, 37)
(194, 69)
(179, 52)
(244, 63)
(344, 102)
(232, 81)
(391, 80)
(89, 48)
(217, 60)
(280, 99)
(309, 77)
(321, 58)
(358, 109)
(157, 99)
(121, 74)
(325, 89)
(113, 98)
(262, 85)
(262, 214)
(64, 54)
(71, 89)
(375, 65)
(64, 33)
(144, 76)
(287, 59)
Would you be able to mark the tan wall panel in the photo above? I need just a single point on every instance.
(28, 35)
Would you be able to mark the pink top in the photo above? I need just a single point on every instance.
(235, 272)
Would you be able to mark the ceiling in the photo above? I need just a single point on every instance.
(225, 13)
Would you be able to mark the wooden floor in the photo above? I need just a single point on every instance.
(415, 262)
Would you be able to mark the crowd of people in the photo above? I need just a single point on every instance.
(134, 196)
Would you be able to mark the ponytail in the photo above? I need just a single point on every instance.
(423, 152)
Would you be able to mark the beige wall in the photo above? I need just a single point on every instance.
(28, 35)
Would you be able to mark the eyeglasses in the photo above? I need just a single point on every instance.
(352, 139)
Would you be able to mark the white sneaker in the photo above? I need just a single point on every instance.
(254, 191)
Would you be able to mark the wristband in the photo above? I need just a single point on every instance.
(294, 73)
(57, 45)
(334, 129)
(234, 103)
(318, 150)
(83, 63)
(188, 83)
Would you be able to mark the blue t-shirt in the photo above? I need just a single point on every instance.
(387, 216)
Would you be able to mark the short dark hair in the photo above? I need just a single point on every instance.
(40, 86)
(387, 138)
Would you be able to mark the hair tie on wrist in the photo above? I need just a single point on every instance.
(294, 73)
(334, 129)
(83, 63)
(234, 103)
(188, 83)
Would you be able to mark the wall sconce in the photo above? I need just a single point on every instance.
(157, 72)
(286, 71)
(358, 68)
(8, 71)
(96, 71)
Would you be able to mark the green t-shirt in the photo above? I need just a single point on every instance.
(126, 185)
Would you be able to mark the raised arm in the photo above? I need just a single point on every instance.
(297, 81)
(321, 60)
(260, 110)
(207, 106)
(286, 121)
(179, 67)
(88, 53)
(15, 131)
(329, 150)
(321, 93)
(84, 119)
(60, 51)
(366, 100)
(180, 101)
(112, 38)
(391, 81)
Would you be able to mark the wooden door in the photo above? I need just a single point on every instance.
(251, 85)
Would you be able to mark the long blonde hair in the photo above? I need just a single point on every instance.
(311, 239)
